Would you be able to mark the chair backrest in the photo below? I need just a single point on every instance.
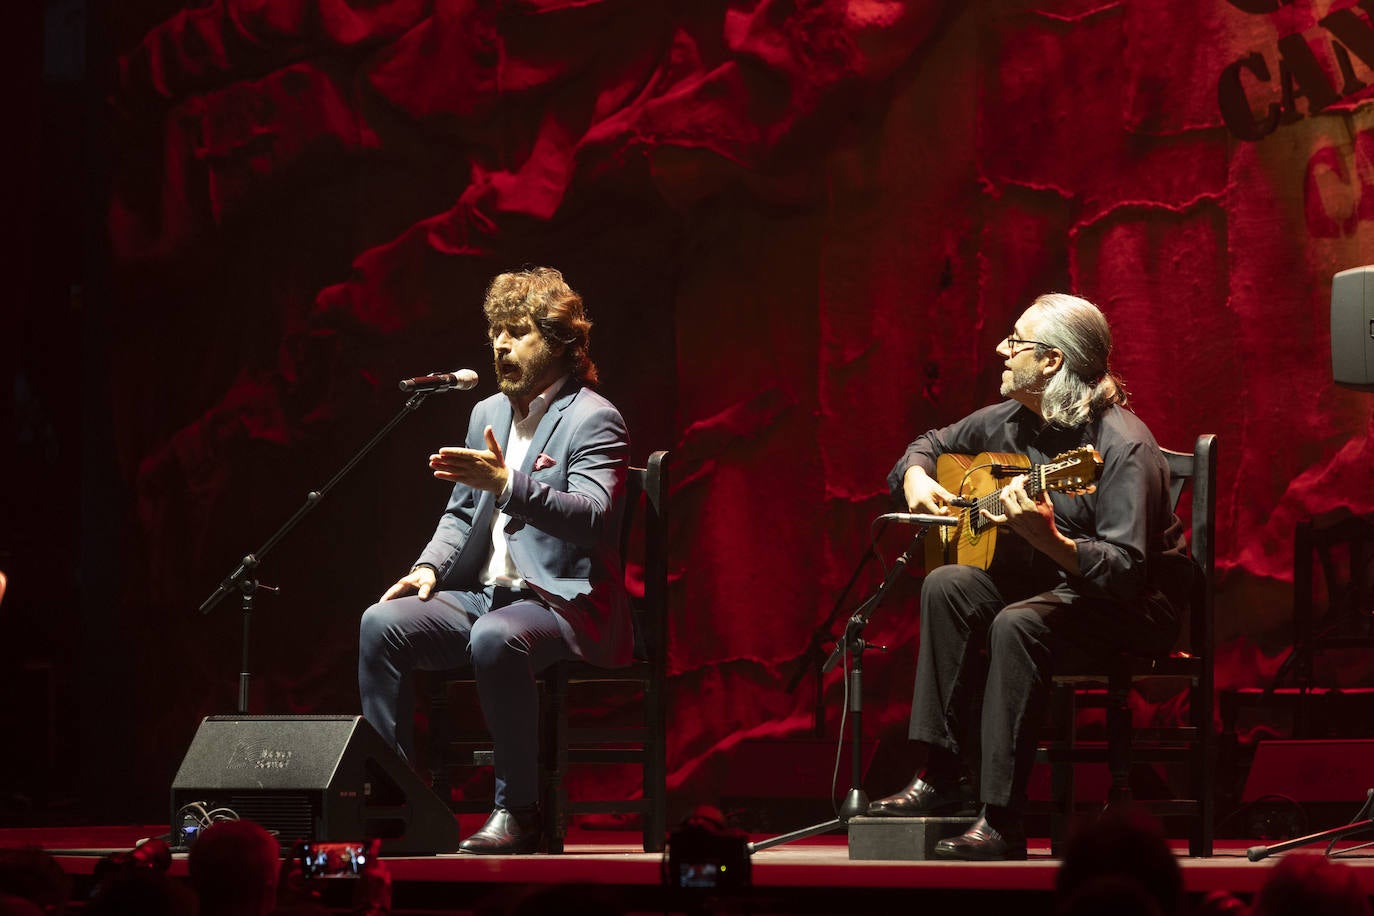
(1342, 544)
(1333, 585)
(645, 526)
(1198, 469)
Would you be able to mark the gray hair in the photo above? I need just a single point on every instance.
(1085, 385)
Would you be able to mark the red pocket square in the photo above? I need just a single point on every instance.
(543, 461)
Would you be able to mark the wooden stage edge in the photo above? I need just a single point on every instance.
(614, 858)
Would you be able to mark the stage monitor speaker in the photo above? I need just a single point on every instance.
(322, 779)
(1313, 770)
(1352, 328)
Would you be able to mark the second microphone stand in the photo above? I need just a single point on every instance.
(1330, 837)
(244, 579)
(852, 644)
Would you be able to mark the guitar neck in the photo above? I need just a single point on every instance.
(992, 502)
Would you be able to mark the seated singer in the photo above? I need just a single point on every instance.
(1094, 575)
(524, 568)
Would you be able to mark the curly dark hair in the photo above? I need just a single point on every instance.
(544, 297)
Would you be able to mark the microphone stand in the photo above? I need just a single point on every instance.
(1255, 853)
(853, 644)
(813, 656)
(244, 579)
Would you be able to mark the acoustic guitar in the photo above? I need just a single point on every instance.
(979, 479)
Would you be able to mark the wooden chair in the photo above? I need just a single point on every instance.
(644, 546)
(1333, 590)
(1333, 615)
(1107, 683)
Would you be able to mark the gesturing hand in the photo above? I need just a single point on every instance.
(483, 469)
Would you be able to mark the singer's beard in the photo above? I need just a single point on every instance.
(532, 371)
(1023, 378)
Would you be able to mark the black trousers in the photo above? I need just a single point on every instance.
(979, 639)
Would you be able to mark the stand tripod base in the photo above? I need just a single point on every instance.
(902, 839)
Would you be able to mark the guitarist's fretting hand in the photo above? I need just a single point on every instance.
(1033, 521)
(924, 494)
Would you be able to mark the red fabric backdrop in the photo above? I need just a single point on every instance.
(801, 228)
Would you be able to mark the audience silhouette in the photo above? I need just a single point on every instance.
(235, 867)
(29, 874)
(1309, 884)
(1120, 863)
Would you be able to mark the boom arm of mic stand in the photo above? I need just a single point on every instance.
(240, 578)
(860, 617)
(814, 649)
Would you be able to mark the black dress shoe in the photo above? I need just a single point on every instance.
(921, 799)
(506, 833)
(982, 843)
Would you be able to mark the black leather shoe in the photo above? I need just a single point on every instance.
(921, 799)
(505, 833)
(982, 843)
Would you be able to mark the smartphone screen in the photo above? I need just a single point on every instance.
(332, 860)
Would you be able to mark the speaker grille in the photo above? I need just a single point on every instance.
(292, 816)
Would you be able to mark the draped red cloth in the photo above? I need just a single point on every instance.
(801, 228)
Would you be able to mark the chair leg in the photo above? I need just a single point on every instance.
(1064, 712)
(555, 762)
(439, 740)
(1204, 753)
(1119, 740)
(655, 769)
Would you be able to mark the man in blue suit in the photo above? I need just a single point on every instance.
(524, 568)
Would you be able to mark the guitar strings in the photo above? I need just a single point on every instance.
(992, 501)
(973, 524)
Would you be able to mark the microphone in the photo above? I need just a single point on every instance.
(460, 380)
(918, 518)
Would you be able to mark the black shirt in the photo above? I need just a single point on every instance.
(1130, 543)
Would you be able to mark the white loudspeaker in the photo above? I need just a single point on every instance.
(1352, 328)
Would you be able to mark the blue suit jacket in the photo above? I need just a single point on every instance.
(564, 519)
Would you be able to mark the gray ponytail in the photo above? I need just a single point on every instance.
(1085, 385)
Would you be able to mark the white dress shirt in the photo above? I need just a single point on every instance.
(501, 568)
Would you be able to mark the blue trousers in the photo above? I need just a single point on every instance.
(506, 637)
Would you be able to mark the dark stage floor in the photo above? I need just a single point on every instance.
(811, 876)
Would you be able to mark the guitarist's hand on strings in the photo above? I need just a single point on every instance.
(924, 494)
(1033, 521)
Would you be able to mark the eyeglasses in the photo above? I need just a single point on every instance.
(1016, 344)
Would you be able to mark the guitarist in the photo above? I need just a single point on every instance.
(1095, 570)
